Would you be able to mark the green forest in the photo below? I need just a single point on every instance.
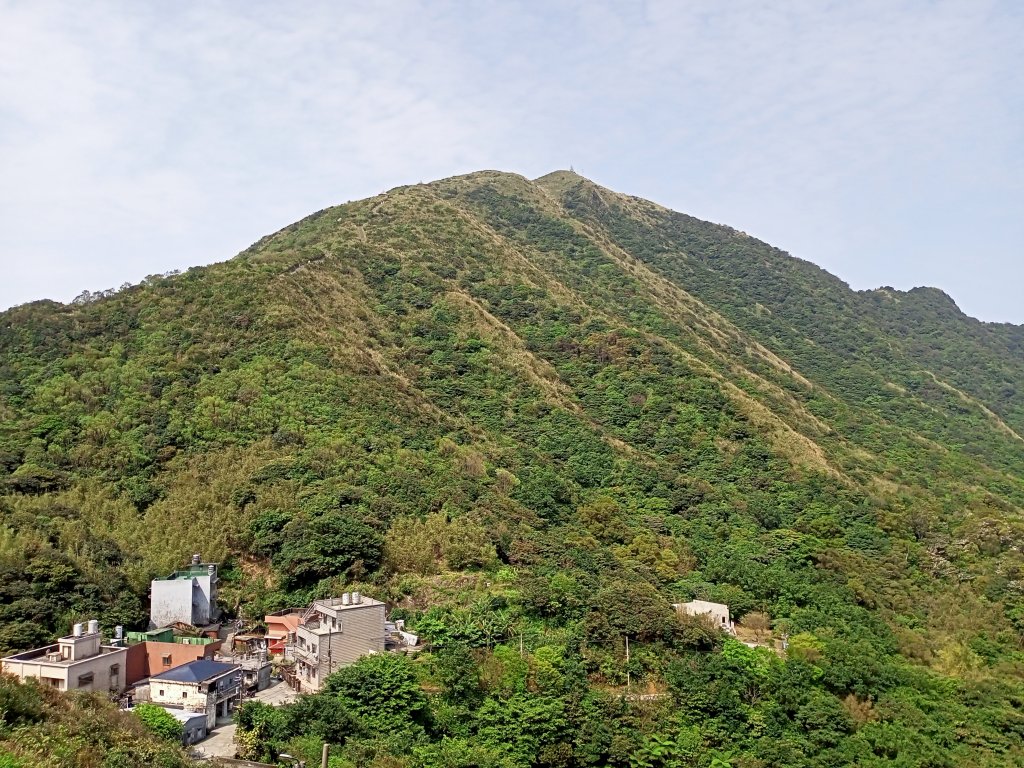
(532, 416)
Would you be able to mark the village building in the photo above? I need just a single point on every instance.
(159, 650)
(335, 633)
(717, 612)
(78, 662)
(281, 628)
(203, 686)
(193, 724)
(249, 651)
(188, 596)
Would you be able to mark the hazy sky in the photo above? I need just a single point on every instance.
(882, 140)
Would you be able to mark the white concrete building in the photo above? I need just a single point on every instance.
(717, 612)
(203, 686)
(334, 633)
(188, 596)
(78, 662)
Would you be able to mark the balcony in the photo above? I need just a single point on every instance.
(305, 655)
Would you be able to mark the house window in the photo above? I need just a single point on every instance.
(161, 691)
(166, 660)
(184, 694)
(84, 680)
(115, 670)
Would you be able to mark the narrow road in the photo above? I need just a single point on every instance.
(221, 741)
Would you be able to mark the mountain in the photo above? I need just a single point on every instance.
(552, 402)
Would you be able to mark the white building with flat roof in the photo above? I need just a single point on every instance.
(188, 596)
(78, 662)
(717, 612)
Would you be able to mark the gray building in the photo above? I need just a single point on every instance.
(188, 596)
(334, 633)
(193, 725)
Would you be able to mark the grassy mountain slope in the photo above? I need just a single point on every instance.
(41, 728)
(608, 403)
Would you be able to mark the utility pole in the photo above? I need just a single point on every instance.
(627, 666)
(326, 753)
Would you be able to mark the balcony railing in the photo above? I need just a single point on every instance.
(304, 654)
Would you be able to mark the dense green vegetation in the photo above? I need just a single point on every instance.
(41, 728)
(533, 415)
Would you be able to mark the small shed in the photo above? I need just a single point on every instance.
(717, 612)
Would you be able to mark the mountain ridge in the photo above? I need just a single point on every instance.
(592, 394)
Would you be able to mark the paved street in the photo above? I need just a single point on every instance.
(221, 741)
(277, 694)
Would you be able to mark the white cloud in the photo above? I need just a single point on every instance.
(136, 138)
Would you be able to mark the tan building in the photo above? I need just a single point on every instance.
(717, 612)
(203, 686)
(334, 633)
(79, 662)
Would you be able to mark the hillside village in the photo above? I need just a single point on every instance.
(200, 669)
(543, 423)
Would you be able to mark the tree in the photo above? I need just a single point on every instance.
(758, 623)
(524, 726)
(328, 545)
(382, 692)
(261, 729)
(159, 721)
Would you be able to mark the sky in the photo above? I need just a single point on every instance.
(880, 139)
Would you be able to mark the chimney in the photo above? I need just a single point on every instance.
(196, 559)
(76, 631)
(118, 632)
(211, 569)
(356, 598)
(94, 626)
(346, 599)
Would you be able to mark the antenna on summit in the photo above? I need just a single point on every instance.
(571, 169)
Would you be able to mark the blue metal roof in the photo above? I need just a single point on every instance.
(195, 671)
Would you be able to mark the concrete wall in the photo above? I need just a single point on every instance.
(195, 731)
(186, 696)
(204, 606)
(170, 601)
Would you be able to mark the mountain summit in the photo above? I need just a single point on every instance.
(578, 405)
